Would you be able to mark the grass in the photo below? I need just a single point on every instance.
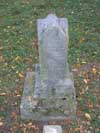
(18, 37)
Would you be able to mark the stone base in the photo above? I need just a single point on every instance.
(52, 129)
(52, 106)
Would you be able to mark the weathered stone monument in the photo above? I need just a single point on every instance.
(49, 92)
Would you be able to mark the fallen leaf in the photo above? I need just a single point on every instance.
(3, 94)
(20, 75)
(99, 72)
(74, 70)
(90, 105)
(30, 22)
(1, 58)
(1, 48)
(17, 72)
(84, 62)
(77, 129)
(8, 26)
(13, 114)
(82, 39)
(85, 81)
(1, 123)
(13, 67)
(88, 116)
(30, 124)
(94, 70)
(18, 58)
(18, 95)
(78, 65)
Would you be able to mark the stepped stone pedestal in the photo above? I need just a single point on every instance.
(49, 92)
(52, 129)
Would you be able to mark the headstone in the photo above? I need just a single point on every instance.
(51, 96)
(52, 129)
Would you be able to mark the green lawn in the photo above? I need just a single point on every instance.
(18, 53)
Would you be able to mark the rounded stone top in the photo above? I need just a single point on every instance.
(51, 19)
(52, 16)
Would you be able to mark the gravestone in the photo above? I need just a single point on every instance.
(49, 92)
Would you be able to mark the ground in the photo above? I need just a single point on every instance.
(19, 53)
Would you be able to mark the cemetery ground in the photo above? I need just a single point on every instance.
(19, 53)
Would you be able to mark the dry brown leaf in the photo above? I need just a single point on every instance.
(82, 39)
(1, 48)
(1, 58)
(13, 114)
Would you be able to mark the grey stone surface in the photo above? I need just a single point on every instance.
(52, 129)
(27, 98)
(52, 93)
(53, 44)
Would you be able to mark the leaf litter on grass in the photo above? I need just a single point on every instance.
(17, 34)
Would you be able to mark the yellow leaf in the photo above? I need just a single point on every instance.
(78, 65)
(18, 58)
(94, 70)
(83, 62)
(77, 129)
(30, 124)
(20, 75)
(17, 72)
(13, 67)
(88, 116)
(85, 81)
(99, 72)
